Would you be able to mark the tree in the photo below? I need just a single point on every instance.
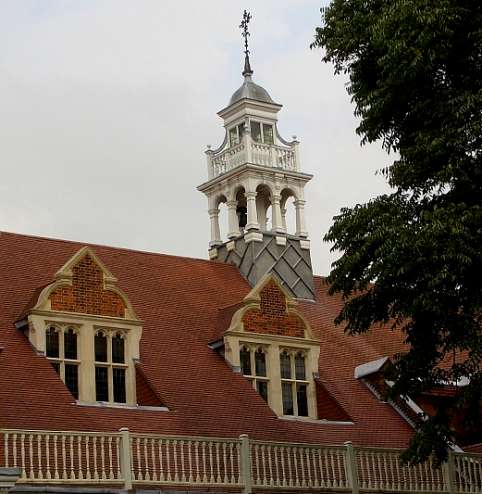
(413, 258)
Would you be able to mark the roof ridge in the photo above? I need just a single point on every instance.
(126, 249)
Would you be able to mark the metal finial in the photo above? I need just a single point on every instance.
(245, 33)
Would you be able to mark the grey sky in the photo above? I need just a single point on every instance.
(106, 107)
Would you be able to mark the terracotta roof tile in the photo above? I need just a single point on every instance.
(178, 299)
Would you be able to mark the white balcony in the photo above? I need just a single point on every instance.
(226, 158)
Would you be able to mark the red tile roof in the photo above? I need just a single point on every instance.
(179, 301)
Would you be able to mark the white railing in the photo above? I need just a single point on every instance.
(63, 457)
(128, 459)
(228, 159)
(178, 460)
(298, 466)
(468, 473)
(382, 470)
(252, 152)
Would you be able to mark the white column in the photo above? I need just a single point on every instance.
(283, 219)
(252, 214)
(215, 233)
(277, 223)
(233, 222)
(300, 218)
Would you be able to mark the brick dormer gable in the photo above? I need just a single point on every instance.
(88, 330)
(84, 285)
(269, 309)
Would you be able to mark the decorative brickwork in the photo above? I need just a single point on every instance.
(87, 294)
(272, 317)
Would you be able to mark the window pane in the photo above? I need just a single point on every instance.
(302, 400)
(245, 360)
(300, 366)
(287, 399)
(101, 386)
(118, 349)
(70, 344)
(100, 348)
(233, 136)
(285, 366)
(119, 381)
(256, 131)
(71, 379)
(52, 343)
(260, 363)
(268, 134)
(262, 387)
(56, 366)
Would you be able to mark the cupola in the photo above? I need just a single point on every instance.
(255, 172)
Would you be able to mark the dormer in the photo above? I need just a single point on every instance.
(86, 327)
(272, 345)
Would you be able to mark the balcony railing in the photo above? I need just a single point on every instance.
(250, 151)
(139, 460)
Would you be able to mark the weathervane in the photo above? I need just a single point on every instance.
(245, 33)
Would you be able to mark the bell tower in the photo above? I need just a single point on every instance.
(255, 171)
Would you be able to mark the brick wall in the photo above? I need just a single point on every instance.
(87, 294)
(272, 316)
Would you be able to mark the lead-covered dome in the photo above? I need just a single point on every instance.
(250, 90)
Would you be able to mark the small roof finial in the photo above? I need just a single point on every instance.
(247, 72)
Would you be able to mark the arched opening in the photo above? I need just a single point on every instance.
(241, 208)
(288, 211)
(222, 217)
(263, 207)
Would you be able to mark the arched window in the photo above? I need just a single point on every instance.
(52, 344)
(288, 211)
(253, 367)
(294, 385)
(70, 344)
(61, 350)
(118, 356)
(100, 347)
(110, 367)
(263, 207)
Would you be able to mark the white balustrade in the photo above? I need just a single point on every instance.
(269, 155)
(381, 470)
(47, 457)
(468, 473)
(298, 465)
(185, 460)
(63, 457)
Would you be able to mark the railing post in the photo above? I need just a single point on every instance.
(351, 468)
(125, 458)
(245, 465)
(448, 470)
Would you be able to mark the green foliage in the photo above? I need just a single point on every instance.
(413, 258)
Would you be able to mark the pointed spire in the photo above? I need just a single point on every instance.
(248, 71)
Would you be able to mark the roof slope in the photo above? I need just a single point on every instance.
(178, 299)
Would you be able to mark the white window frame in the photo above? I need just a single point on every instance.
(111, 365)
(253, 378)
(61, 329)
(293, 381)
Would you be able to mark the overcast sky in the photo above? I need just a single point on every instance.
(106, 107)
